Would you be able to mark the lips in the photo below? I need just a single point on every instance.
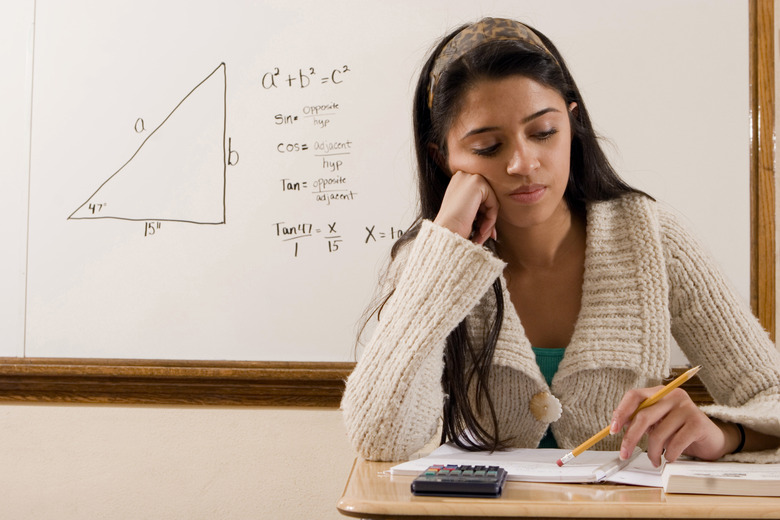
(528, 194)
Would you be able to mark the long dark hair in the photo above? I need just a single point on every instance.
(591, 178)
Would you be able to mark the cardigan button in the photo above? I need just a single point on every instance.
(545, 407)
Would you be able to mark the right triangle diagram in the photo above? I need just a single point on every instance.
(178, 172)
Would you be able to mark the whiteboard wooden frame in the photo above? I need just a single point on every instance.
(321, 384)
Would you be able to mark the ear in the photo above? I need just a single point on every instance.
(435, 153)
(573, 108)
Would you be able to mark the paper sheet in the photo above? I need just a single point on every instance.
(539, 465)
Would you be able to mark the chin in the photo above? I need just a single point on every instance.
(526, 218)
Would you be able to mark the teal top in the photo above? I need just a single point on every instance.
(548, 360)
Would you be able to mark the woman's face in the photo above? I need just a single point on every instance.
(516, 133)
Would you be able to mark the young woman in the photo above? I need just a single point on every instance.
(535, 299)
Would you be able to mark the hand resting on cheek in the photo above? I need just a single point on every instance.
(469, 208)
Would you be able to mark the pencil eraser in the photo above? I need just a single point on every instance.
(559, 462)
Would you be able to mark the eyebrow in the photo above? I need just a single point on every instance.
(524, 121)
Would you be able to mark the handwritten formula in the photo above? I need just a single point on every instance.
(308, 237)
(315, 154)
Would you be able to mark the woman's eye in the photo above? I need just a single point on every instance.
(543, 136)
(487, 151)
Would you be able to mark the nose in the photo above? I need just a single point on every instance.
(523, 160)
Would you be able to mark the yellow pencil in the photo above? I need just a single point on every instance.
(644, 404)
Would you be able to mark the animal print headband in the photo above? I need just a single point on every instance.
(484, 31)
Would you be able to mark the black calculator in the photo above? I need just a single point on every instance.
(453, 480)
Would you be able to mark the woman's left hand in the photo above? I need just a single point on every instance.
(674, 426)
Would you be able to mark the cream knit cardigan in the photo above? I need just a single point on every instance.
(646, 279)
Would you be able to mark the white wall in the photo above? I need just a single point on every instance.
(89, 462)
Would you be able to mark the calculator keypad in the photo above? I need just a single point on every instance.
(455, 480)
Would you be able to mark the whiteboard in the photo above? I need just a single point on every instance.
(223, 180)
(16, 31)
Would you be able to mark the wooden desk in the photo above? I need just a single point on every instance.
(372, 494)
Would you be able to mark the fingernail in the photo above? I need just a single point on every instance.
(623, 454)
(613, 428)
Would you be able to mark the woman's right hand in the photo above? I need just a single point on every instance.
(469, 208)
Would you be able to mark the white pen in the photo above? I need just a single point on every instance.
(605, 471)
